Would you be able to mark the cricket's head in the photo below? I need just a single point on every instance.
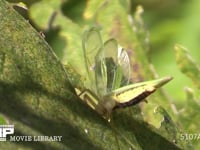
(105, 107)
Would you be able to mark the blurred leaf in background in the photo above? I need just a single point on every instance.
(189, 115)
(170, 22)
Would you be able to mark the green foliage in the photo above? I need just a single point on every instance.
(189, 116)
(35, 86)
(2, 120)
(187, 65)
(171, 22)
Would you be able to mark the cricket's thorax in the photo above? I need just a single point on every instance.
(107, 105)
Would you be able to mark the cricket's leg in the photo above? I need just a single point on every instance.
(88, 97)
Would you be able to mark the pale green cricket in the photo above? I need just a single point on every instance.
(108, 71)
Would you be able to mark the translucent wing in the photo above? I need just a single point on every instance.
(110, 50)
(100, 73)
(124, 62)
(118, 65)
(95, 62)
(92, 44)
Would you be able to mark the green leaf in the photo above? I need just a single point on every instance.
(3, 120)
(171, 130)
(190, 113)
(66, 43)
(187, 65)
(42, 18)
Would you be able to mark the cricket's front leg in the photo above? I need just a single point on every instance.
(93, 101)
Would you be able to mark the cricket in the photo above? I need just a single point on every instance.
(107, 85)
